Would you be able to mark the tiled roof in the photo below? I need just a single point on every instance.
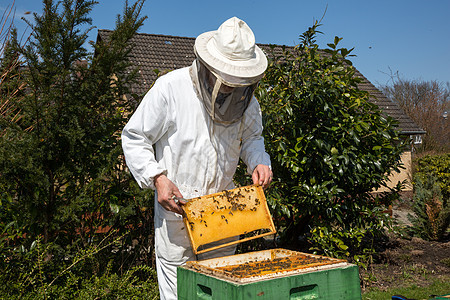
(164, 53)
(390, 108)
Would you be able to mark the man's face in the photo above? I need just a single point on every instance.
(227, 104)
(225, 89)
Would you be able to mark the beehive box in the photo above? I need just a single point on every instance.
(269, 274)
(238, 212)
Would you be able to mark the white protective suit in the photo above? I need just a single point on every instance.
(172, 133)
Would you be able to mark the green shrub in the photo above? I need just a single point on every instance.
(334, 244)
(431, 210)
(34, 274)
(106, 286)
(330, 147)
(431, 196)
(439, 167)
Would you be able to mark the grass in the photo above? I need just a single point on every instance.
(439, 286)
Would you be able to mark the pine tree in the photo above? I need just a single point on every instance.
(56, 163)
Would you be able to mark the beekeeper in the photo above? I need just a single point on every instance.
(187, 135)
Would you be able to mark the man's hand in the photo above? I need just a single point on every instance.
(167, 193)
(262, 175)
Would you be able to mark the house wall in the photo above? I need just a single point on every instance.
(404, 174)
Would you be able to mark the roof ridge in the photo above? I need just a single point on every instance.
(193, 38)
(154, 34)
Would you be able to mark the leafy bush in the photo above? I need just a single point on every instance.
(330, 147)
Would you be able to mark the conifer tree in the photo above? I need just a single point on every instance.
(55, 164)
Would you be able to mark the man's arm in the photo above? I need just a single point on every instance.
(147, 125)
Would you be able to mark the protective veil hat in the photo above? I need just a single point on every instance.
(231, 52)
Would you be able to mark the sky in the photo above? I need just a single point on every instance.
(405, 38)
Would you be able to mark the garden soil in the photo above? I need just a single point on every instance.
(401, 260)
(404, 261)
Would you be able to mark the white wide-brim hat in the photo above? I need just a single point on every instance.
(231, 50)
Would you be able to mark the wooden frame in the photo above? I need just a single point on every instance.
(221, 216)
